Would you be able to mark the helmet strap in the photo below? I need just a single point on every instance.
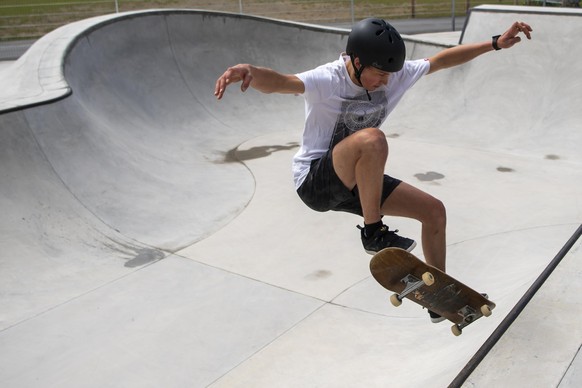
(358, 74)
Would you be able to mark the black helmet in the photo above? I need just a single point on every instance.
(377, 44)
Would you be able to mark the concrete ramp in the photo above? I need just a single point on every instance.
(522, 101)
(151, 234)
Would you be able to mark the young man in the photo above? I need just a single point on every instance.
(340, 165)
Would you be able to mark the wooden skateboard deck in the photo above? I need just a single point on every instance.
(403, 273)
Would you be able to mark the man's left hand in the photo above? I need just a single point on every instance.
(509, 38)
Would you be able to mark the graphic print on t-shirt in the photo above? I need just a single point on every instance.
(359, 113)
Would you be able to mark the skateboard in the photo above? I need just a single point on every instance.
(403, 273)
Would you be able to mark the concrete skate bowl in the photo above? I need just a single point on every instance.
(148, 98)
(133, 161)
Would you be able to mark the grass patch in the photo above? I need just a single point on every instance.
(31, 19)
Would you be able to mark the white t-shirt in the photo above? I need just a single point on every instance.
(336, 107)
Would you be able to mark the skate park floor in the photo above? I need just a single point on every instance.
(151, 235)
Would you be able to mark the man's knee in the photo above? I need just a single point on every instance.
(373, 140)
(438, 213)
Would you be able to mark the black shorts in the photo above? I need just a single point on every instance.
(322, 190)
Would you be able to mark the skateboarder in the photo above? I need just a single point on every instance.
(340, 165)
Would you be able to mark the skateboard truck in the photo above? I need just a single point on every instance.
(469, 314)
(412, 283)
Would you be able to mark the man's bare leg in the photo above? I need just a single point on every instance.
(408, 201)
(359, 160)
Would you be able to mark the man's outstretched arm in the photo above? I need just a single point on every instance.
(464, 53)
(261, 78)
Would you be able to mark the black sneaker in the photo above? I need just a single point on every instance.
(435, 318)
(384, 238)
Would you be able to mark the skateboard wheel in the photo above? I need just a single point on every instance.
(428, 279)
(486, 310)
(395, 300)
(456, 330)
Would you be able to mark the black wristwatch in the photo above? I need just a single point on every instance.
(494, 42)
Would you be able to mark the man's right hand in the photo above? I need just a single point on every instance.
(238, 73)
